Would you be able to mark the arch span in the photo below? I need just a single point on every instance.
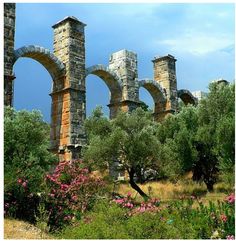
(110, 78)
(53, 65)
(156, 91)
(187, 97)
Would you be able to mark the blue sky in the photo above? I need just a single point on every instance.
(200, 36)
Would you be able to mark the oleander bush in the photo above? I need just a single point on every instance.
(154, 220)
(71, 192)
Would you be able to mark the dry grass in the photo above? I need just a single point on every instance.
(166, 190)
(15, 229)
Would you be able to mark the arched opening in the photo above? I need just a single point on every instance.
(157, 94)
(97, 94)
(55, 69)
(32, 87)
(113, 84)
(146, 98)
(185, 98)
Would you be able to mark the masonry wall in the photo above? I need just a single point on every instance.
(69, 47)
(9, 37)
(124, 64)
(165, 75)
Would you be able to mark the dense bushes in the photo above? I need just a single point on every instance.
(72, 191)
(26, 159)
(176, 220)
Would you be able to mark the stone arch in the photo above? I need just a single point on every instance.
(187, 97)
(56, 70)
(111, 79)
(157, 93)
(53, 65)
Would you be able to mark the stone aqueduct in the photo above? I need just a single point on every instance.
(66, 66)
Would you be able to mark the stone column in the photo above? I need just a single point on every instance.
(9, 37)
(165, 75)
(124, 64)
(69, 47)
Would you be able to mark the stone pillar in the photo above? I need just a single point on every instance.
(9, 37)
(69, 47)
(124, 64)
(165, 75)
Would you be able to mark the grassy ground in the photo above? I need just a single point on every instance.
(15, 229)
(167, 191)
(164, 190)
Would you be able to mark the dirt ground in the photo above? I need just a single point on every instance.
(15, 229)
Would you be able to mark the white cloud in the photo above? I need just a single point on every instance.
(198, 43)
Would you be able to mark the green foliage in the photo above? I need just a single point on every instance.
(72, 191)
(176, 134)
(124, 138)
(106, 221)
(201, 139)
(177, 220)
(26, 159)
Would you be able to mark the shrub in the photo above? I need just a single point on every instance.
(176, 220)
(105, 221)
(26, 160)
(72, 191)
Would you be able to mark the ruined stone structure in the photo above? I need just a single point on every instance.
(66, 66)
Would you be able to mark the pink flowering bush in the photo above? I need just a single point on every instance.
(20, 201)
(230, 199)
(72, 191)
(134, 208)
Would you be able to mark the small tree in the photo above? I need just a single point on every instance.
(215, 135)
(26, 159)
(201, 139)
(129, 138)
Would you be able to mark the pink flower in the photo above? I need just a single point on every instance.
(224, 218)
(24, 184)
(119, 201)
(129, 194)
(74, 198)
(19, 181)
(64, 186)
(141, 209)
(230, 199)
(193, 197)
(231, 237)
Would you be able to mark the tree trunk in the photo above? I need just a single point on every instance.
(209, 185)
(135, 186)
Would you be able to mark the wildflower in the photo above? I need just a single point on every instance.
(213, 216)
(24, 184)
(119, 201)
(193, 197)
(129, 194)
(230, 199)
(52, 195)
(215, 235)
(74, 198)
(64, 186)
(6, 205)
(19, 181)
(223, 217)
(230, 237)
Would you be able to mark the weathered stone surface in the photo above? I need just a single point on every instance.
(54, 66)
(187, 97)
(124, 64)
(165, 75)
(9, 38)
